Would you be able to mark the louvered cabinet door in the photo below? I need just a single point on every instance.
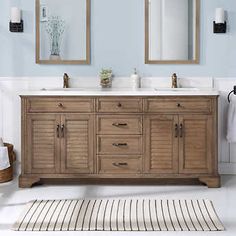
(77, 144)
(43, 151)
(161, 147)
(195, 144)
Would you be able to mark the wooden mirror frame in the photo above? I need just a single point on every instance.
(65, 62)
(197, 39)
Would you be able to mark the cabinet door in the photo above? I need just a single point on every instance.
(195, 144)
(161, 147)
(43, 151)
(77, 143)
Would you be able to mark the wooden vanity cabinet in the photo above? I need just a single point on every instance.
(77, 144)
(179, 144)
(195, 144)
(57, 138)
(42, 147)
(124, 138)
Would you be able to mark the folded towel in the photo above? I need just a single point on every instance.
(4, 158)
(1, 143)
(231, 126)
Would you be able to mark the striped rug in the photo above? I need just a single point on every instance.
(119, 215)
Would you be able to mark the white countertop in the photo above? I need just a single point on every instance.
(122, 92)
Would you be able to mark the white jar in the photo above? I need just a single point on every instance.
(135, 80)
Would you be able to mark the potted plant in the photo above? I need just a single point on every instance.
(106, 78)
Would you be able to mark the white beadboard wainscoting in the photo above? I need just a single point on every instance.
(227, 152)
(10, 114)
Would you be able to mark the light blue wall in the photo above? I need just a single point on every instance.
(118, 42)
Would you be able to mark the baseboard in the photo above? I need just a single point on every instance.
(227, 168)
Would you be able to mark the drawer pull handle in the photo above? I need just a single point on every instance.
(176, 130)
(58, 132)
(178, 105)
(181, 131)
(120, 144)
(60, 105)
(119, 105)
(62, 131)
(120, 164)
(119, 124)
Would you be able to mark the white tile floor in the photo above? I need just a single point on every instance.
(12, 200)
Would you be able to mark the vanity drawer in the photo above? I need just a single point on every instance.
(119, 105)
(119, 165)
(119, 144)
(108, 124)
(180, 105)
(60, 105)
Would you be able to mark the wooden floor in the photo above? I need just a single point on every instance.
(12, 200)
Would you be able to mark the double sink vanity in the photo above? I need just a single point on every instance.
(142, 135)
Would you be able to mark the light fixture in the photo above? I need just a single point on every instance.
(16, 23)
(220, 25)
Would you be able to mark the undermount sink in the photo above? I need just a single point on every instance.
(177, 89)
(94, 89)
(64, 89)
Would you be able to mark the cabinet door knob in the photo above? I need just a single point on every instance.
(119, 104)
(120, 164)
(60, 105)
(178, 105)
(119, 144)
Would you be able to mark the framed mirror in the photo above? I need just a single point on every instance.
(63, 31)
(172, 31)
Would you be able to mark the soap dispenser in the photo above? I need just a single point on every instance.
(135, 79)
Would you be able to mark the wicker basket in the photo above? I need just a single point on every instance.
(7, 174)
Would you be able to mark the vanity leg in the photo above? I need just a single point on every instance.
(27, 182)
(211, 182)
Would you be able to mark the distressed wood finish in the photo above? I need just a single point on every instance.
(77, 144)
(195, 145)
(85, 61)
(113, 138)
(119, 105)
(81, 105)
(178, 105)
(119, 164)
(119, 144)
(43, 144)
(119, 124)
(161, 144)
(149, 60)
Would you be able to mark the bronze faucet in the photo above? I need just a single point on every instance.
(66, 81)
(174, 81)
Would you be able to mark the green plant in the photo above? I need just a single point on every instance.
(105, 77)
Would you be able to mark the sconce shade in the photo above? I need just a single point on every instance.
(15, 15)
(220, 15)
(219, 25)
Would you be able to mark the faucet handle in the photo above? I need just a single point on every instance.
(66, 76)
(66, 80)
(174, 76)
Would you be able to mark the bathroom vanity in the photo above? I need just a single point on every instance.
(142, 135)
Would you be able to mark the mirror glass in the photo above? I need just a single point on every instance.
(172, 31)
(63, 31)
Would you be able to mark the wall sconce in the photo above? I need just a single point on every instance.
(16, 23)
(220, 25)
